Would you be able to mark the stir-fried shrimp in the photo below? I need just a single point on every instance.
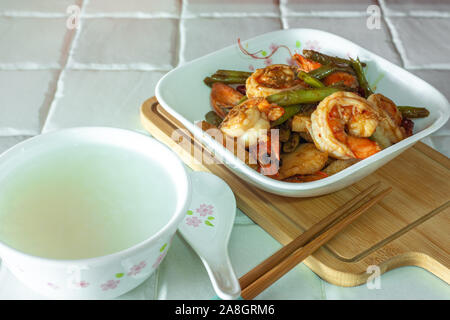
(250, 120)
(306, 64)
(324, 115)
(305, 159)
(341, 125)
(224, 97)
(271, 80)
(390, 129)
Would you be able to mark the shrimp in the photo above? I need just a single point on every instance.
(224, 97)
(272, 79)
(341, 125)
(250, 120)
(305, 159)
(334, 78)
(390, 129)
(305, 64)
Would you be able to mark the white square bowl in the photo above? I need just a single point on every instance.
(184, 95)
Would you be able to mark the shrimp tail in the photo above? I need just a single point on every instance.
(362, 147)
(305, 64)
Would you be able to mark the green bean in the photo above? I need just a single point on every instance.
(234, 73)
(224, 79)
(413, 112)
(313, 82)
(326, 70)
(289, 97)
(364, 85)
(326, 59)
(212, 118)
(292, 143)
(289, 111)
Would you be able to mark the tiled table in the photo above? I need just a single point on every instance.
(53, 77)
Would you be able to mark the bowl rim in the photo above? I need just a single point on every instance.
(183, 188)
(282, 186)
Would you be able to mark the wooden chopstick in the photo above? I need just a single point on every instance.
(305, 237)
(282, 267)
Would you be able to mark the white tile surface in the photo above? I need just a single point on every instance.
(20, 7)
(24, 100)
(133, 7)
(437, 78)
(196, 8)
(127, 43)
(101, 98)
(33, 42)
(353, 29)
(423, 41)
(418, 7)
(326, 7)
(440, 140)
(197, 42)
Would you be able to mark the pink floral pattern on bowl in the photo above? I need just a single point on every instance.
(110, 285)
(193, 221)
(312, 45)
(205, 209)
(137, 268)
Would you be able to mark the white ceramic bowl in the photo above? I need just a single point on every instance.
(184, 95)
(107, 276)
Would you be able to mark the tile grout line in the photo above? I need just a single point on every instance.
(59, 83)
(130, 15)
(119, 67)
(26, 66)
(394, 35)
(181, 35)
(167, 15)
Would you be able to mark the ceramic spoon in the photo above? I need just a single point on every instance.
(207, 227)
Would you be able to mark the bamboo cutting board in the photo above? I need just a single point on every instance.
(411, 226)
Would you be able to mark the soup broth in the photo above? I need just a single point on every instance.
(84, 201)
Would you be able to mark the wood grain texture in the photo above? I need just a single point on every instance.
(411, 226)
